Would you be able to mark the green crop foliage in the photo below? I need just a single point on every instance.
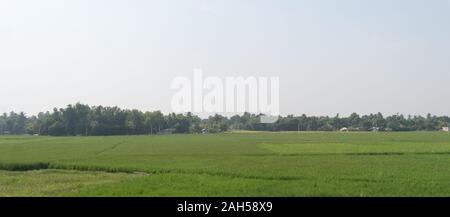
(228, 164)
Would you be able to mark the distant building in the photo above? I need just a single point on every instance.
(344, 129)
(445, 129)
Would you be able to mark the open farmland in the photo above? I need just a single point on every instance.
(228, 164)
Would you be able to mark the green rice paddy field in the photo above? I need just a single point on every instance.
(229, 164)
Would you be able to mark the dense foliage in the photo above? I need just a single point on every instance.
(80, 119)
(240, 164)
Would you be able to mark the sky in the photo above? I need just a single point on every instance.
(331, 56)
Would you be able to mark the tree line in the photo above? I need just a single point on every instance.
(81, 119)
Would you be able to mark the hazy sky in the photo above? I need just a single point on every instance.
(335, 56)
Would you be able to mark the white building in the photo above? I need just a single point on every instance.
(445, 129)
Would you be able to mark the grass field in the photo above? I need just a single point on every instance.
(229, 164)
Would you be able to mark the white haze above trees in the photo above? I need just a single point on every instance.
(331, 56)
